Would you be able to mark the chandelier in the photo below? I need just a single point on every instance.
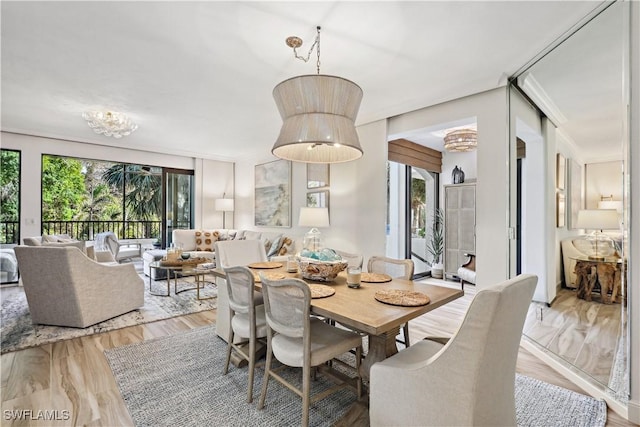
(318, 114)
(461, 140)
(109, 123)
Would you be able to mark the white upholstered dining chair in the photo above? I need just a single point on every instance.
(297, 339)
(470, 380)
(233, 253)
(396, 268)
(247, 320)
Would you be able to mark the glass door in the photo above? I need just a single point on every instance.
(178, 204)
(421, 206)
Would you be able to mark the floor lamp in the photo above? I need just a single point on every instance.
(224, 205)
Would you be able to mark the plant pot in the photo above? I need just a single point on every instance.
(437, 271)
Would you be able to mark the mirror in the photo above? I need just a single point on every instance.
(581, 88)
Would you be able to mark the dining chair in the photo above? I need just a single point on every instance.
(299, 340)
(467, 380)
(233, 253)
(247, 320)
(353, 260)
(396, 268)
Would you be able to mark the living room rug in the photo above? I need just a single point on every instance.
(177, 380)
(18, 332)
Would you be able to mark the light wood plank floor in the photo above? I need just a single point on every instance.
(74, 375)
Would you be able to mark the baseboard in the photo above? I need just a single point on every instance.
(634, 412)
(575, 377)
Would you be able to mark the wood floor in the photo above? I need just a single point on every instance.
(73, 378)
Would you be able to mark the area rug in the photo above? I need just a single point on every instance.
(18, 332)
(177, 380)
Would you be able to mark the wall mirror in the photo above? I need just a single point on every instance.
(581, 89)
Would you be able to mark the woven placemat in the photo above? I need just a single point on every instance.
(183, 262)
(274, 275)
(402, 297)
(375, 277)
(321, 291)
(266, 264)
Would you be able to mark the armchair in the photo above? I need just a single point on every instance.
(66, 288)
(119, 250)
(470, 380)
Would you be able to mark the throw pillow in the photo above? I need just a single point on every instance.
(274, 248)
(239, 235)
(49, 239)
(205, 240)
(286, 247)
(76, 243)
(252, 235)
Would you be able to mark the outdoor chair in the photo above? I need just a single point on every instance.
(119, 250)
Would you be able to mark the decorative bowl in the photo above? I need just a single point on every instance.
(322, 271)
(185, 255)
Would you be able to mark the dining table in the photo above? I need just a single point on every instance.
(358, 308)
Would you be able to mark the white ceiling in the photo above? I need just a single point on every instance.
(197, 76)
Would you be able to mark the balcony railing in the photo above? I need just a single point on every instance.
(86, 230)
(9, 232)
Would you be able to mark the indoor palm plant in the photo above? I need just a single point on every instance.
(435, 243)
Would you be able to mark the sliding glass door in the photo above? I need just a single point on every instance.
(178, 204)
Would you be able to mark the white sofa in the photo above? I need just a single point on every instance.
(200, 243)
(579, 247)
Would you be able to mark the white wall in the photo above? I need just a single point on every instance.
(490, 109)
(357, 196)
(219, 175)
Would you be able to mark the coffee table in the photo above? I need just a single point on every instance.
(181, 271)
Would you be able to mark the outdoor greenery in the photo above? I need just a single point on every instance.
(435, 242)
(9, 185)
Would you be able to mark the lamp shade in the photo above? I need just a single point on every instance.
(598, 219)
(461, 140)
(225, 205)
(314, 217)
(318, 114)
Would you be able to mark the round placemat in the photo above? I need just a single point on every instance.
(375, 277)
(402, 297)
(274, 275)
(265, 264)
(321, 291)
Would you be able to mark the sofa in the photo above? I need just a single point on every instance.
(62, 240)
(66, 288)
(579, 247)
(200, 243)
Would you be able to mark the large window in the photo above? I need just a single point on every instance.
(82, 197)
(9, 197)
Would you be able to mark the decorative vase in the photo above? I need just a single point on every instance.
(437, 270)
(457, 175)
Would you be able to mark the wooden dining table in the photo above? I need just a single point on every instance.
(358, 309)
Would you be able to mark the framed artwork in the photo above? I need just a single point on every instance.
(318, 199)
(575, 196)
(272, 201)
(560, 171)
(317, 175)
(560, 209)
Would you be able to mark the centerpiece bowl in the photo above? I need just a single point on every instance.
(322, 271)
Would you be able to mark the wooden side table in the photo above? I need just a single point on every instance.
(606, 273)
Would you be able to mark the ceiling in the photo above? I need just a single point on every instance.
(197, 77)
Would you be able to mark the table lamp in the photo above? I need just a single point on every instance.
(598, 220)
(225, 205)
(313, 217)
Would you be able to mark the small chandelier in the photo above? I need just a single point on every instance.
(318, 114)
(461, 140)
(109, 123)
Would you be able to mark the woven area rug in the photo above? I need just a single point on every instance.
(177, 380)
(18, 332)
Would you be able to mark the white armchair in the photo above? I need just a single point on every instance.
(119, 250)
(470, 380)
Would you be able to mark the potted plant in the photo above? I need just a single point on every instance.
(435, 244)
